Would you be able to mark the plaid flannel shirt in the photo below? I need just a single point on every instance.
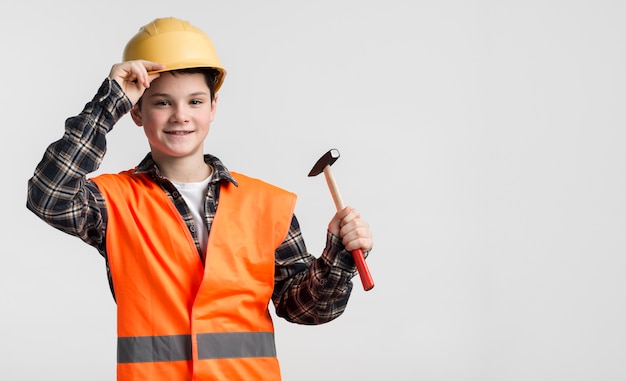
(307, 290)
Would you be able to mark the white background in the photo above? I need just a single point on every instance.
(482, 140)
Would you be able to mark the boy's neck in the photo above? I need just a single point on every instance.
(184, 170)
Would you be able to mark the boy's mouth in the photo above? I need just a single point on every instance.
(178, 132)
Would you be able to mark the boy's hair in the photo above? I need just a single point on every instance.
(210, 74)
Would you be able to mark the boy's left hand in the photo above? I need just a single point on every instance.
(354, 231)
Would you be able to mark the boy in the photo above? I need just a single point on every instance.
(194, 252)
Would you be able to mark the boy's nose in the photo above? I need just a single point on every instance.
(180, 115)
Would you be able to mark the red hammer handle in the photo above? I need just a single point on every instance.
(357, 255)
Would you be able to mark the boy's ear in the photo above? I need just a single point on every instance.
(213, 105)
(135, 113)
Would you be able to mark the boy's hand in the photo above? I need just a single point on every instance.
(354, 232)
(133, 77)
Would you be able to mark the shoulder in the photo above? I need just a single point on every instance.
(122, 179)
(246, 181)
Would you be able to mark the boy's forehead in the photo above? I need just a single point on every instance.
(169, 82)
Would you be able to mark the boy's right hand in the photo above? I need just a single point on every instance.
(133, 77)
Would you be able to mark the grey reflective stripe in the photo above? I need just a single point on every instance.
(236, 345)
(153, 348)
(210, 346)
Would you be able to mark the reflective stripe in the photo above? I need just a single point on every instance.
(153, 348)
(236, 345)
(210, 346)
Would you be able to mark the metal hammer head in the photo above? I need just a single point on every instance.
(328, 159)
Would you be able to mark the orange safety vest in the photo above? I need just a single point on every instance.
(180, 320)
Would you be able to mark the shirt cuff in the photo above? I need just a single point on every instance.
(111, 97)
(336, 255)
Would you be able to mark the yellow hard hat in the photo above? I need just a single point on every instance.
(176, 44)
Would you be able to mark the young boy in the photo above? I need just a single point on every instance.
(194, 252)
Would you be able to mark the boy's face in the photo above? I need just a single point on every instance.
(176, 113)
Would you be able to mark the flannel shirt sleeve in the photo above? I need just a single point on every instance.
(311, 290)
(59, 192)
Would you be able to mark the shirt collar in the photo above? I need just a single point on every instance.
(220, 172)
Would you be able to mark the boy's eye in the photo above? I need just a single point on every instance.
(162, 102)
(196, 101)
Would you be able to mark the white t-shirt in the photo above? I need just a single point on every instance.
(194, 195)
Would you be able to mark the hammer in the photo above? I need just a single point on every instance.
(323, 165)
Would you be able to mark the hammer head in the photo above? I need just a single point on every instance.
(328, 159)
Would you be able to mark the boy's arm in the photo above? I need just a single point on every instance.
(311, 290)
(59, 192)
